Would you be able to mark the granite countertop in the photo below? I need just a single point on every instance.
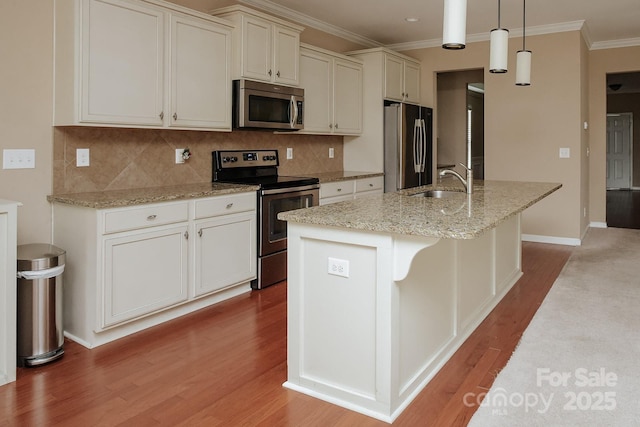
(458, 217)
(325, 177)
(138, 196)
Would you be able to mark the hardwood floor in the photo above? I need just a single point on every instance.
(623, 208)
(225, 365)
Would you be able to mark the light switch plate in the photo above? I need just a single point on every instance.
(289, 153)
(565, 153)
(18, 159)
(331, 153)
(82, 157)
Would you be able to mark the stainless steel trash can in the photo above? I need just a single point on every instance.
(40, 334)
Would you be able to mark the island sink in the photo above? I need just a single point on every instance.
(440, 194)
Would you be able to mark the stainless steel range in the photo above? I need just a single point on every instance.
(276, 194)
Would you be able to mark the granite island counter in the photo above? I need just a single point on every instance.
(383, 290)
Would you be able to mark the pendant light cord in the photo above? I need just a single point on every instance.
(499, 26)
(524, 17)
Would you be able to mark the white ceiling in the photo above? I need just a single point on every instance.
(610, 23)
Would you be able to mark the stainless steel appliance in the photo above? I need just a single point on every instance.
(408, 146)
(258, 105)
(276, 194)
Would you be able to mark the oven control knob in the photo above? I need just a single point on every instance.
(272, 157)
(265, 158)
(233, 159)
(225, 160)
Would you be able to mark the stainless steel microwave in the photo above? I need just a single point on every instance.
(258, 105)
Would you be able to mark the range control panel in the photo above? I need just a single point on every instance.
(246, 158)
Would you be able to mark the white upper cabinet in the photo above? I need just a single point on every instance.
(264, 47)
(401, 79)
(136, 63)
(200, 95)
(122, 51)
(332, 92)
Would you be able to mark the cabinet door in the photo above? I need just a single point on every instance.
(200, 74)
(256, 50)
(393, 73)
(347, 95)
(143, 272)
(225, 252)
(286, 54)
(316, 78)
(412, 82)
(122, 63)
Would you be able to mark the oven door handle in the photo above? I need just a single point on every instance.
(289, 189)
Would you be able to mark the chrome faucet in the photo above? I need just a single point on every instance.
(468, 182)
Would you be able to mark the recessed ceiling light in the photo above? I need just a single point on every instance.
(411, 19)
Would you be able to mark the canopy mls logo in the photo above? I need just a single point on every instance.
(578, 390)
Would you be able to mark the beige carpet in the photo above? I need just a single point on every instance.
(578, 362)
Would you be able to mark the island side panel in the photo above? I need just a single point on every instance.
(339, 333)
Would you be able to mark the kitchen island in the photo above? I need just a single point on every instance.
(383, 290)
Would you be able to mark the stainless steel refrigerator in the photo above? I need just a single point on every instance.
(408, 146)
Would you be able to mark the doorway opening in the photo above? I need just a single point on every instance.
(460, 100)
(623, 150)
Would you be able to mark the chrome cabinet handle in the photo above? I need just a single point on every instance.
(200, 232)
(370, 185)
(336, 126)
(175, 116)
(161, 115)
(339, 190)
(151, 217)
(186, 235)
(278, 74)
(330, 126)
(230, 205)
(269, 73)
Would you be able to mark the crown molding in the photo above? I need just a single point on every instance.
(310, 21)
(480, 37)
(612, 44)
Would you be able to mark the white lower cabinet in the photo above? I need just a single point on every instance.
(134, 267)
(144, 272)
(225, 246)
(339, 191)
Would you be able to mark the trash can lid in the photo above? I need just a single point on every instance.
(39, 256)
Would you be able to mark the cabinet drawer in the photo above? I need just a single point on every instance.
(224, 205)
(369, 184)
(145, 216)
(339, 188)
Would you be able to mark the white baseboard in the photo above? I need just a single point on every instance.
(551, 239)
(595, 224)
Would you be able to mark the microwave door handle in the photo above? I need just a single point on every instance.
(293, 112)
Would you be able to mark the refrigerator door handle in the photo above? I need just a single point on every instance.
(423, 143)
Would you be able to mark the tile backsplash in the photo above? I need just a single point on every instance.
(139, 158)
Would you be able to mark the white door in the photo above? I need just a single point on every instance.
(619, 150)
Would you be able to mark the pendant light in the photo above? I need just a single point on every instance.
(454, 26)
(499, 48)
(523, 58)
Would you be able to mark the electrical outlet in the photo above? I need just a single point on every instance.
(179, 158)
(289, 153)
(18, 159)
(565, 153)
(331, 153)
(82, 157)
(338, 267)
